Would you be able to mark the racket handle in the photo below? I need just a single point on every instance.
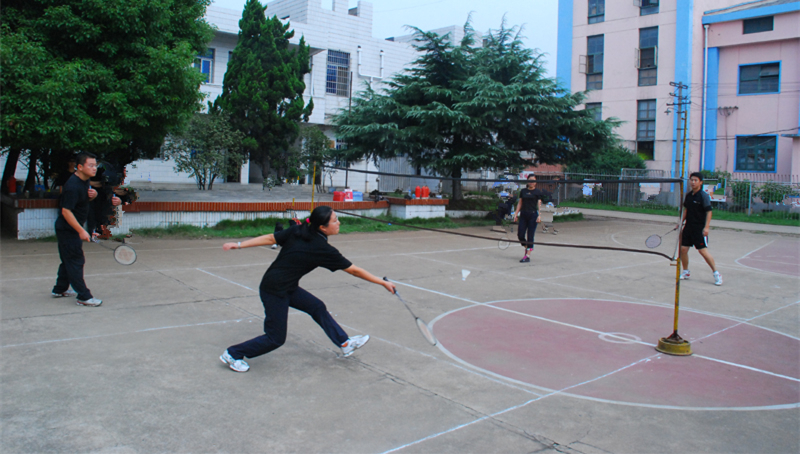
(385, 278)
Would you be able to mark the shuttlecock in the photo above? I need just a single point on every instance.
(464, 274)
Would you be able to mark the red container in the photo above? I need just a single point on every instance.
(418, 192)
(426, 192)
(338, 196)
(12, 186)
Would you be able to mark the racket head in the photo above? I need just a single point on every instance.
(503, 244)
(426, 331)
(653, 241)
(125, 255)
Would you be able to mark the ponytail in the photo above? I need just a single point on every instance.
(318, 218)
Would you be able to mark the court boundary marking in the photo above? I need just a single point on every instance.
(491, 304)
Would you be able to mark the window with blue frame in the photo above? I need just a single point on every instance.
(647, 7)
(597, 110)
(758, 25)
(594, 62)
(761, 78)
(597, 11)
(205, 64)
(337, 80)
(647, 56)
(756, 153)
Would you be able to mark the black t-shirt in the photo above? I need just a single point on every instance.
(697, 205)
(74, 197)
(298, 258)
(530, 199)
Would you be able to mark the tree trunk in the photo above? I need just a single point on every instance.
(211, 181)
(30, 181)
(11, 168)
(265, 169)
(457, 193)
(46, 170)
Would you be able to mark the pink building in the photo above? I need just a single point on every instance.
(738, 62)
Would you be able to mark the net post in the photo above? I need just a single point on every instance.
(313, 180)
(674, 344)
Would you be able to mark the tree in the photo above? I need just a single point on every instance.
(466, 108)
(111, 78)
(263, 87)
(207, 148)
(608, 162)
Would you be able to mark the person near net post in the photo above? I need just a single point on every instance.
(303, 248)
(74, 204)
(101, 208)
(697, 216)
(504, 209)
(530, 200)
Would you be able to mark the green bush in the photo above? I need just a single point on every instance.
(741, 192)
(773, 192)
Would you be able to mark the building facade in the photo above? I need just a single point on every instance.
(344, 58)
(737, 61)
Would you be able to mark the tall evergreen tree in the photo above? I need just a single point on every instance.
(108, 77)
(262, 92)
(466, 108)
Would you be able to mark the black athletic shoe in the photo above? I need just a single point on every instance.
(525, 260)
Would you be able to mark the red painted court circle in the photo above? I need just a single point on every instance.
(603, 350)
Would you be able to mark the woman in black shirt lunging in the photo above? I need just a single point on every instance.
(530, 200)
(303, 248)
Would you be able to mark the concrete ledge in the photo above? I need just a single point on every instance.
(401, 201)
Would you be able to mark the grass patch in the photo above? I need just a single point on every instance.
(257, 227)
(47, 239)
(663, 210)
(568, 217)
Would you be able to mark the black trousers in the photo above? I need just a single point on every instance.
(276, 311)
(70, 272)
(527, 222)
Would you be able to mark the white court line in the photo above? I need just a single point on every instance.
(755, 250)
(226, 280)
(491, 305)
(493, 415)
(772, 261)
(122, 334)
(457, 366)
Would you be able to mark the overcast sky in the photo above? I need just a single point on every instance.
(539, 18)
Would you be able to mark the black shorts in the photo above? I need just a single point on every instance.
(693, 236)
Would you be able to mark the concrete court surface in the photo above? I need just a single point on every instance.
(551, 356)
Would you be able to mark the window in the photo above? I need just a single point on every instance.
(647, 56)
(646, 150)
(205, 64)
(597, 110)
(646, 7)
(597, 11)
(763, 78)
(756, 153)
(646, 128)
(758, 25)
(594, 62)
(337, 81)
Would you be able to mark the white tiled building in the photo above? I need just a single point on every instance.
(343, 49)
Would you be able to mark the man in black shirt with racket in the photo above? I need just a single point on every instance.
(697, 215)
(530, 200)
(74, 204)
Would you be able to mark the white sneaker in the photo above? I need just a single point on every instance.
(65, 294)
(91, 302)
(236, 364)
(274, 246)
(353, 344)
(717, 278)
(685, 275)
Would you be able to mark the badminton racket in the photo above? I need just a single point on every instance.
(503, 243)
(654, 241)
(123, 254)
(426, 331)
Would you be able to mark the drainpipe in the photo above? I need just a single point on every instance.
(367, 75)
(705, 96)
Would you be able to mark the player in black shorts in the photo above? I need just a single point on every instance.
(530, 200)
(303, 248)
(697, 215)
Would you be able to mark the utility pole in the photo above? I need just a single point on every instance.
(674, 344)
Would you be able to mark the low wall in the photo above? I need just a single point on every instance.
(416, 208)
(35, 218)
